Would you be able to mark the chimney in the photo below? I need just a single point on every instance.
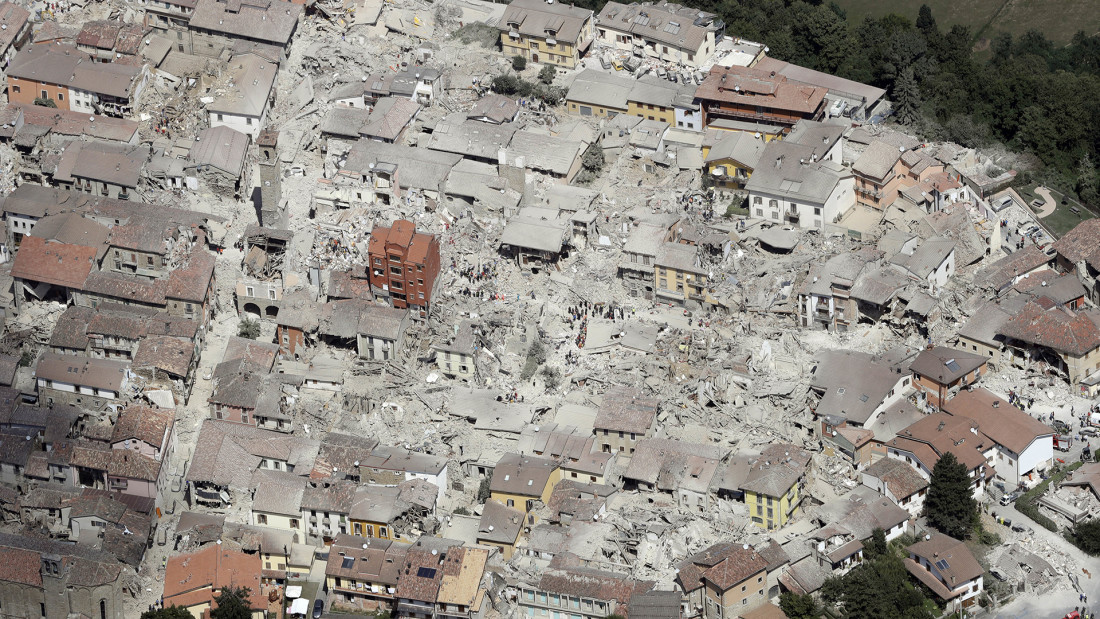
(996, 403)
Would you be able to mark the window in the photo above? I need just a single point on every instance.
(45, 95)
(271, 294)
(15, 89)
(60, 96)
(250, 291)
(220, 118)
(294, 523)
(261, 519)
(248, 121)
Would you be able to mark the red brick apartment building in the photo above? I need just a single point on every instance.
(404, 265)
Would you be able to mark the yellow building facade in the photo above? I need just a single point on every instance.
(680, 282)
(652, 111)
(523, 500)
(771, 512)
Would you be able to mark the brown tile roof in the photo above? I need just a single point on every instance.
(64, 65)
(626, 410)
(41, 260)
(754, 87)
(191, 281)
(144, 423)
(999, 420)
(945, 365)
(499, 523)
(777, 469)
(936, 434)
(194, 578)
(371, 559)
(738, 564)
(960, 565)
(149, 292)
(1081, 243)
(20, 566)
(99, 373)
(420, 576)
(403, 234)
(1001, 273)
(901, 479)
(14, 18)
(170, 354)
(1058, 328)
(522, 475)
(71, 328)
(595, 584)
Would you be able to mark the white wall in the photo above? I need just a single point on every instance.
(1014, 467)
(690, 120)
(245, 124)
(839, 201)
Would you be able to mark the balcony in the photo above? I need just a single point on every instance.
(410, 606)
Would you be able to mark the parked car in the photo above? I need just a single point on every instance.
(318, 608)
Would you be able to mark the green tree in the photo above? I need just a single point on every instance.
(906, 99)
(519, 63)
(483, 490)
(1086, 181)
(592, 163)
(172, 612)
(44, 102)
(799, 606)
(926, 23)
(876, 589)
(876, 546)
(547, 74)
(1086, 536)
(950, 506)
(249, 328)
(232, 604)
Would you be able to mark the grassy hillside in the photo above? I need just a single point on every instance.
(1057, 19)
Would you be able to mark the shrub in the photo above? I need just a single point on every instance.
(249, 328)
(519, 63)
(547, 74)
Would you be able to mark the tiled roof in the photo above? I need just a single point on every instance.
(1061, 329)
(144, 423)
(41, 260)
(1081, 243)
(420, 575)
(754, 87)
(191, 281)
(946, 365)
(594, 584)
(901, 479)
(777, 469)
(999, 420)
(194, 578)
(522, 475)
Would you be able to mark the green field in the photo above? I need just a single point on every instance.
(1063, 219)
(1057, 19)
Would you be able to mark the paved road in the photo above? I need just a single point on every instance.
(1048, 206)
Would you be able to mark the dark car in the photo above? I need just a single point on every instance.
(318, 608)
